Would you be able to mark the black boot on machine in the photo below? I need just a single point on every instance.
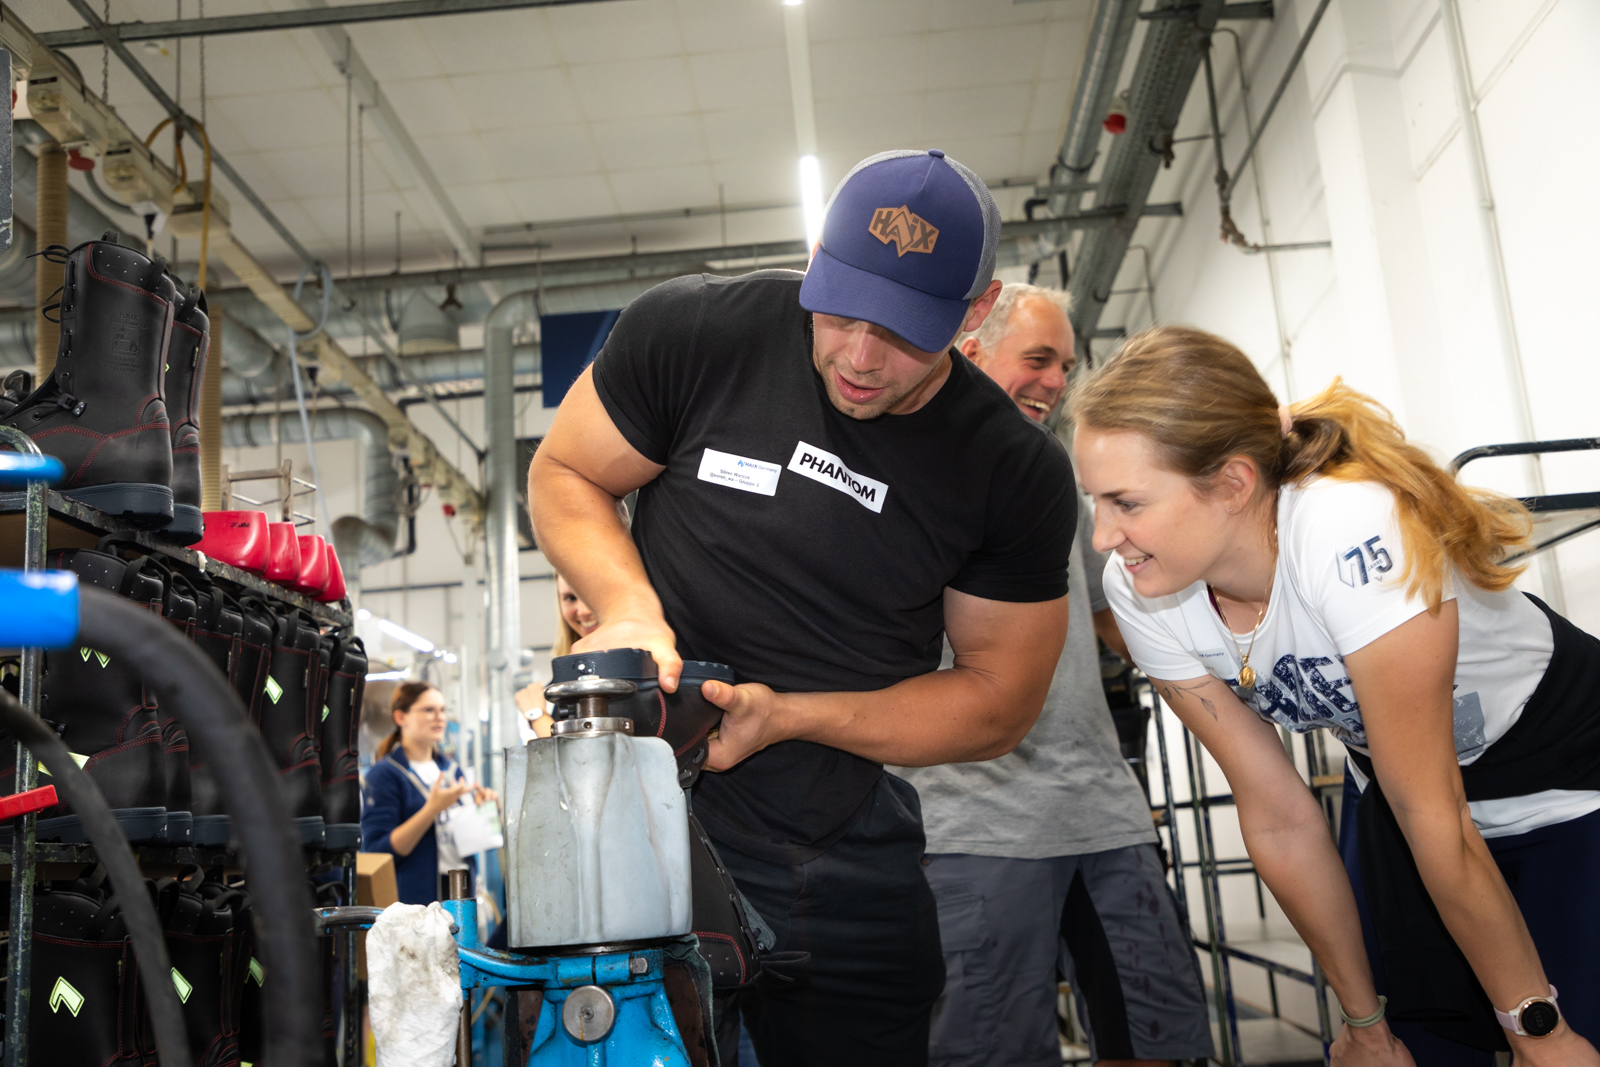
(102, 411)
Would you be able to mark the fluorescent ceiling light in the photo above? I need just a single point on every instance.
(400, 633)
(386, 676)
(811, 205)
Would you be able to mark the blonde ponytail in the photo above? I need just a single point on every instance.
(1201, 402)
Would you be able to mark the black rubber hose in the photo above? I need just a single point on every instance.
(188, 685)
(111, 846)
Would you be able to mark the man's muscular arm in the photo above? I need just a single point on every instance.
(1005, 657)
(580, 471)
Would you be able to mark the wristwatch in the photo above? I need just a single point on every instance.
(1534, 1017)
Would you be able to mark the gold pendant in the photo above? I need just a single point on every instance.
(1247, 677)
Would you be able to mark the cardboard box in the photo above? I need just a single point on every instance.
(375, 886)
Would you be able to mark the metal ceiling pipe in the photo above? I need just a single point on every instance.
(504, 651)
(1162, 78)
(261, 388)
(1111, 31)
(85, 221)
(373, 541)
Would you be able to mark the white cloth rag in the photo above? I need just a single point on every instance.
(414, 986)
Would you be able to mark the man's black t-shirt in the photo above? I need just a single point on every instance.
(809, 550)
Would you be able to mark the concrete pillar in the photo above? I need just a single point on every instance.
(1394, 349)
(50, 226)
(211, 423)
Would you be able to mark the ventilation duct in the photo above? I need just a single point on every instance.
(372, 541)
(428, 327)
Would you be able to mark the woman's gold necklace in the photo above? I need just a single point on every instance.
(1247, 673)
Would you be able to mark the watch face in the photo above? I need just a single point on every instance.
(1539, 1018)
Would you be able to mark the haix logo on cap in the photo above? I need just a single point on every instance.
(888, 206)
(909, 232)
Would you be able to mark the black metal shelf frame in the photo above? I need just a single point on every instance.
(1211, 869)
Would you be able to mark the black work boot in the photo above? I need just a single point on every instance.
(238, 962)
(218, 632)
(16, 386)
(177, 606)
(293, 681)
(199, 929)
(85, 1005)
(341, 762)
(101, 411)
(104, 716)
(185, 370)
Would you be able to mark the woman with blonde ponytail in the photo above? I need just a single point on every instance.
(1308, 567)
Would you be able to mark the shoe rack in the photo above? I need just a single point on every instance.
(24, 542)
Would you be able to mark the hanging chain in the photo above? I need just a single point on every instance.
(178, 59)
(361, 181)
(105, 60)
(349, 244)
(202, 14)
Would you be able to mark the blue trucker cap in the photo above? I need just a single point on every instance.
(908, 243)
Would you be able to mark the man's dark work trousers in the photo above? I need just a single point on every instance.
(864, 912)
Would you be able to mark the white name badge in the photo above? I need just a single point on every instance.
(812, 462)
(739, 472)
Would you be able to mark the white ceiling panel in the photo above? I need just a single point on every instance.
(985, 56)
(978, 110)
(618, 29)
(516, 99)
(964, 14)
(428, 107)
(663, 188)
(595, 109)
(460, 159)
(318, 119)
(763, 132)
(405, 46)
(857, 68)
(878, 20)
(547, 153)
(639, 87)
(749, 78)
(728, 25)
(579, 197)
(673, 140)
(498, 40)
(757, 180)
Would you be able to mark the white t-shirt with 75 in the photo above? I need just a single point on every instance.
(1337, 589)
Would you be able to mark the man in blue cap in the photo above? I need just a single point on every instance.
(826, 488)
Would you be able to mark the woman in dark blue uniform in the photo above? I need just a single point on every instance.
(408, 786)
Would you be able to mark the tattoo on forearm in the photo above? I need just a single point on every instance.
(1169, 692)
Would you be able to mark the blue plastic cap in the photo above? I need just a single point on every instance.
(18, 469)
(38, 609)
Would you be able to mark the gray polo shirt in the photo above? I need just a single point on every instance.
(1065, 790)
